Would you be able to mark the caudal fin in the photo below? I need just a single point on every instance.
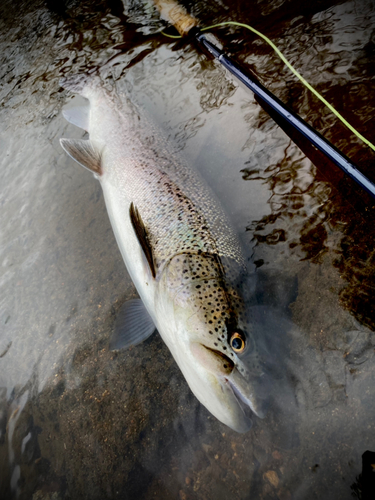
(78, 116)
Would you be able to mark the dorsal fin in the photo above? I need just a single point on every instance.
(83, 153)
(141, 233)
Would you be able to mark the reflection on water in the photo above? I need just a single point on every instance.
(78, 421)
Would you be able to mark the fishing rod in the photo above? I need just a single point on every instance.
(187, 25)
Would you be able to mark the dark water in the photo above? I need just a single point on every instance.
(79, 421)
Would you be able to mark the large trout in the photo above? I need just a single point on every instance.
(180, 251)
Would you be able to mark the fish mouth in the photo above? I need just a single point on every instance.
(242, 402)
(249, 402)
(218, 384)
(245, 396)
(228, 362)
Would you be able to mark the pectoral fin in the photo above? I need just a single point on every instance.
(141, 233)
(83, 153)
(133, 325)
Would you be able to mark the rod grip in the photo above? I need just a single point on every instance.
(176, 15)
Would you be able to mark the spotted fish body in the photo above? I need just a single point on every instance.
(179, 249)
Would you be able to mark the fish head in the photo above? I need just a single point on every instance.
(212, 342)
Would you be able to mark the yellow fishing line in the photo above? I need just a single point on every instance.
(170, 36)
(294, 71)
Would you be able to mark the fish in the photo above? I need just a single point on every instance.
(180, 249)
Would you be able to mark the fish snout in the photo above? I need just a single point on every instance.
(249, 392)
(252, 393)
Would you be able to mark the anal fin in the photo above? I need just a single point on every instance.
(83, 153)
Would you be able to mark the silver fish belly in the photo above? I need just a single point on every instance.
(180, 250)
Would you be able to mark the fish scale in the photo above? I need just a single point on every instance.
(152, 161)
(175, 225)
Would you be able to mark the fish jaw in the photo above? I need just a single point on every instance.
(243, 391)
(212, 388)
(249, 392)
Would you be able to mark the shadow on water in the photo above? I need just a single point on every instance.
(79, 421)
(364, 487)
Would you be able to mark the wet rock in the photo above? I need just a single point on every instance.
(272, 477)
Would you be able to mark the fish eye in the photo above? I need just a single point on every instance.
(237, 343)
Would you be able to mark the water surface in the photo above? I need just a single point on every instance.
(79, 421)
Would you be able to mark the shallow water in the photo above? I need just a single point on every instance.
(79, 421)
